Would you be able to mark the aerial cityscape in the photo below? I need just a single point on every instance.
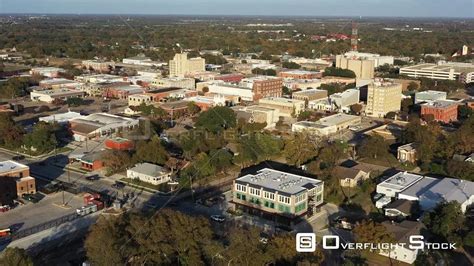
(236, 132)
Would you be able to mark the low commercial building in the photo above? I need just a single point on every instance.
(99, 78)
(407, 153)
(149, 173)
(328, 125)
(15, 181)
(139, 99)
(63, 118)
(379, 60)
(57, 83)
(240, 92)
(286, 107)
(310, 95)
(397, 183)
(141, 60)
(300, 74)
(49, 72)
(429, 96)
(175, 82)
(302, 84)
(342, 101)
(443, 111)
(99, 65)
(274, 193)
(100, 124)
(119, 144)
(430, 192)
(48, 96)
(206, 102)
(92, 161)
(258, 114)
(230, 78)
(463, 72)
(122, 91)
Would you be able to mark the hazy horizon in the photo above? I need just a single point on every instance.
(276, 8)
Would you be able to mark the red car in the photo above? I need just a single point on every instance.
(4, 208)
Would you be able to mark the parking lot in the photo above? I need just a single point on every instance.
(47, 209)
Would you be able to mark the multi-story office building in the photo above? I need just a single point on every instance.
(382, 98)
(181, 65)
(264, 86)
(277, 193)
(444, 111)
(379, 60)
(286, 107)
(463, 72)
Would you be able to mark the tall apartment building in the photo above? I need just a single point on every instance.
(273, 192)
(15, 180)
(363, 68)
(264, 86)
(382, 98)
(181, 65)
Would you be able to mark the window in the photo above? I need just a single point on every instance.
(284, 199)
(300, 197)
(254, 191)
(269, 195)
(240, 187)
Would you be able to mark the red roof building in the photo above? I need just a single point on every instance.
(444, 111)
(120, 144)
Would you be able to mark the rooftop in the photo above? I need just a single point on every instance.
(300, 72)
(273, 180)
(58, 92)
(402, 231)
(435, 189)
(8, 166)
(443, 67)
(337, 119)
(401, 181)
(149, 169)
(407, 147)
(309, 92)
(440, 104)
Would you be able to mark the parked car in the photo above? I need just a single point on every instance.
(118, 185)
(30, 197)
(218, 218)
(18, 158)
(92, 177)
(4, 208)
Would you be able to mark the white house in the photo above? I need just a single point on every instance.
(150, 173)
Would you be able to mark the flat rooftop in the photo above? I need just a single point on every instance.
(446, 67)
(59, 92)
(440, 104)
(9, 166)
(435, 189)
(300, 72)
(149, 169)
(337, 119)
(401, 181)
(281, 100)
(309, 92)
(273, 180)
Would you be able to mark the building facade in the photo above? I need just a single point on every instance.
(15, 181)
(382, 98)
(181, 65)
(277, 193)
(286, 107)
(443, 111)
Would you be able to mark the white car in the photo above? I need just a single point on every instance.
(218, 218)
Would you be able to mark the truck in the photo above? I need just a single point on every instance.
(85, 210)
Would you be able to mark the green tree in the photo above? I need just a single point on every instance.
(74, 101)
(15, 257)
(356, 108)
(339, 72)
(291, 65)
(10, 134)
(373, 146)
(217, 119)
(42, 139)
(372, 232)
(152, 151)
(193, 108)
(116, 161)
(446, 221)
(221, 159)
(301, 148)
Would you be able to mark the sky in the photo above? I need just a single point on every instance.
(383, 8)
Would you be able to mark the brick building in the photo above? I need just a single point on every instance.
(263, 86)
(231, 78)
(444, 111)
(15, 181)
(120, 144)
